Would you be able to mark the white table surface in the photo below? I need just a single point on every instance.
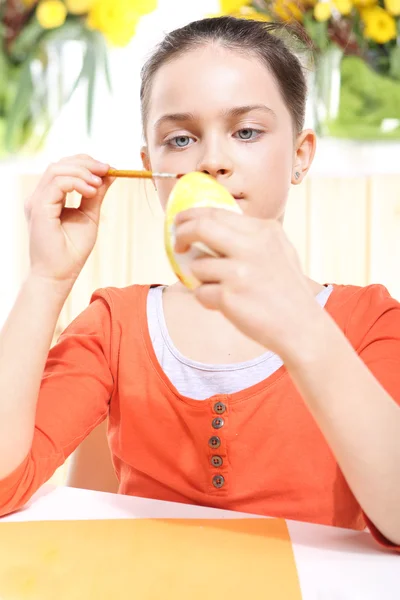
(332, 563)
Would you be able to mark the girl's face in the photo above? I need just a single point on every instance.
(217, 111)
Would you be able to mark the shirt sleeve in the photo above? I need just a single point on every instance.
(380, 350)
(74, 397)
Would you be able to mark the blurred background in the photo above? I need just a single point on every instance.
(69, 83)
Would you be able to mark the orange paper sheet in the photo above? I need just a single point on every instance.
(141, 559)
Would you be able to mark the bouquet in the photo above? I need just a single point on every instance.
(356, 46)
(32, 34)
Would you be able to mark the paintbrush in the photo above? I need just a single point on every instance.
(141, 174)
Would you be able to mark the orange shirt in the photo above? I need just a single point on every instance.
(275, 460)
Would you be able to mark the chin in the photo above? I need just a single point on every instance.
(243, 204)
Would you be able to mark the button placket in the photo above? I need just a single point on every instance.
(217, 461)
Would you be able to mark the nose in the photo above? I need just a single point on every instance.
(215, 161)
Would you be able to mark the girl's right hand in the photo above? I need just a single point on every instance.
(61, 239)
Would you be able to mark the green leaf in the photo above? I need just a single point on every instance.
(95, 57)
(394, 69)
(103, 56)
(77, 81)
(97, 41)
(26, 41)
(358, 31)
(88, 72)
(73, 29)
(318, 31)
(107, 72)
(19, 111)
(4, 76)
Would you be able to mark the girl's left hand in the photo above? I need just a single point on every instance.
(256, 281)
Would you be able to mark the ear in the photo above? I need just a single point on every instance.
(304, 154)
(144, 155)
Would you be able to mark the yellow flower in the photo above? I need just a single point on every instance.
(144, 7)
(79, 7)
(324, 8)
(323, 11)
(379, 26)
(343, 6)
(250, 13)
(287, 10)
(229, 7)
(117, 19)
(51, 13)
(364, 3)
(393, 7)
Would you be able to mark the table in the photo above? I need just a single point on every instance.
(332, 563)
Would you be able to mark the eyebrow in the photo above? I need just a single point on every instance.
(241, 110)
(237, 111)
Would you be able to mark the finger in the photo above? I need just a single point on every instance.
(78, 171)
(236, 221)
(55, 194)
(218, 270)
(215, 234)
(96, 166)
(92, 177)
(76, 157)
(210, 295)
(92, 206)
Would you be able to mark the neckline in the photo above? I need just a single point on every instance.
(241, 395)
(202, 366)
(220, 367)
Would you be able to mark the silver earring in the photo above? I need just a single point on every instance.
(296, 175)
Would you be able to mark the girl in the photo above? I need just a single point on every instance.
(280, 400)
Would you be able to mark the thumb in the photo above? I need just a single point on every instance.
(92, 206)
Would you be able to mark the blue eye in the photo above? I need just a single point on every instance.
(248, 133)
(180, 141)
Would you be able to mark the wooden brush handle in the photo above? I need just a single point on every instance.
(129, 173)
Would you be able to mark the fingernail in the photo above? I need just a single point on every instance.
(96, 179)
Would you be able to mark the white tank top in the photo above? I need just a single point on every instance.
(199, 380)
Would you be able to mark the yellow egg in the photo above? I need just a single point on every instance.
(194, 190)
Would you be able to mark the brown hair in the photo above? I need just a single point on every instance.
(242, 35)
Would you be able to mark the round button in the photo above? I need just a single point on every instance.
(214, 442)
(218, 422)
(216, 461)
(219, 408)
(218, 481)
